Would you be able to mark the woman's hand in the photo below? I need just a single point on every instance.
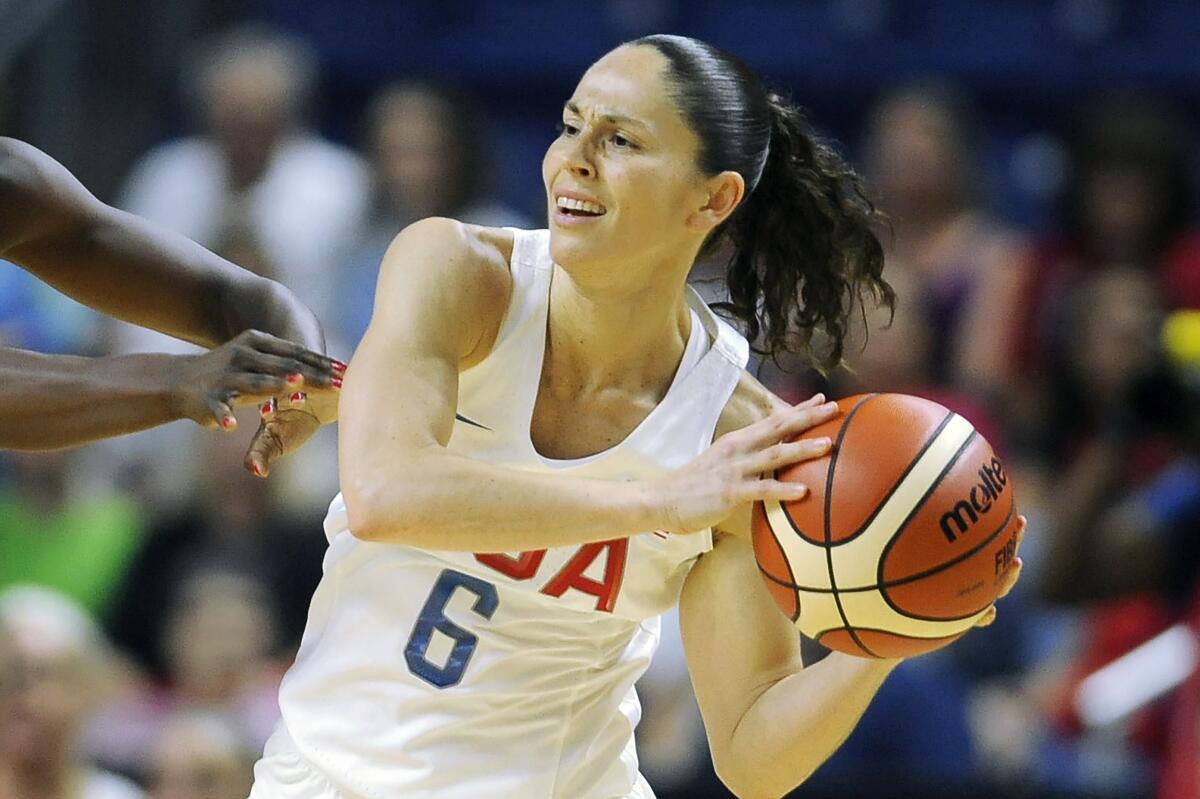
(738, 468)
(1011, 575)
(288, 422)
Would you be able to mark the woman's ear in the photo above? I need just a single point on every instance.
(725, 191)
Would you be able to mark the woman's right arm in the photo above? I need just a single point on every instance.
(440, 300)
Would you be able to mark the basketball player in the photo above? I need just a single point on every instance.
(540, 481)
(120, 265)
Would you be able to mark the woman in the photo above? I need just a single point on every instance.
(538, 481)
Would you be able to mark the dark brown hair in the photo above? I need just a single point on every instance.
(804, 250)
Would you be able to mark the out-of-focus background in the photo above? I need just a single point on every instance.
(1038, 163)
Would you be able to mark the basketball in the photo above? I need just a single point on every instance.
(903, 541)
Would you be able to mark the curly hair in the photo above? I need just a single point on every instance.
(804, 249)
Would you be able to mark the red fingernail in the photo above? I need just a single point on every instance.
(268, 407)
(257, 469)
(338, 366)
(297, 396)
(293, 378)
(227, 422)
(336, 382)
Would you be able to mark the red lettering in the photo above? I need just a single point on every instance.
(519, 568)
(571, 575)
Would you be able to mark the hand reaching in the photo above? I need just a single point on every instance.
(247, 370)
(288, 423)
(738, 467)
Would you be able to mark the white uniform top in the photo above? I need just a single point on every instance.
(449, 674)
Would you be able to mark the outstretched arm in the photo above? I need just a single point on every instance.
(57, 401)
(123, 266)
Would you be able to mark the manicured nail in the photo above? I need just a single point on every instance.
(228, 422)
(296, 397)
(798, 490)
(338, 366)
(294, 378)
(268, 407)
(824, 442)
(336, 382)
(257, 469)
(829, 406)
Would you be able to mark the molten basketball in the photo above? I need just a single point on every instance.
(904, 538)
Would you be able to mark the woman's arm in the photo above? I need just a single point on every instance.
(442, 293)
(770, 721)
(123, 266)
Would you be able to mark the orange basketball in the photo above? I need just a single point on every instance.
(903, 540)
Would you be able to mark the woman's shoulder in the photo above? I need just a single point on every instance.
(750, 402)
(453, 252)
(474, 245)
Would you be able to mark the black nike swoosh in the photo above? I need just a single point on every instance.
(471, 422)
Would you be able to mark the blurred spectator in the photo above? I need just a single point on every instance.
(257, 184)
(1125, 440)
(429, 149)
(969, 270)
(229, 517)
(1130, 201)
(257, 170)
(220, 650)
(55, 532)
(200, 756)
(894, 352)
(60, 677)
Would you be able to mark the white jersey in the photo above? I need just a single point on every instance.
(450, 674)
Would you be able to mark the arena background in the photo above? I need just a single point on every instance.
(1037, 158)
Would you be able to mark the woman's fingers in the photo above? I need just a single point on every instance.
(786, 453)
(785, 424)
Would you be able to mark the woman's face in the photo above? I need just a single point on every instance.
(914, 158)
(626, 153)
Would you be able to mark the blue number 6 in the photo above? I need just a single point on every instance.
(433, 617)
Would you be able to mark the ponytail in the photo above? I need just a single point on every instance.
(805, 253)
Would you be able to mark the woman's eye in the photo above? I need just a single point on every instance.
(567, 129)
(621, 142)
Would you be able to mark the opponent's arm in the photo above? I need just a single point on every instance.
(123, 266)
(56, 401)
(440, 300)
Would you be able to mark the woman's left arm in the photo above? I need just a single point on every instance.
(770, 721)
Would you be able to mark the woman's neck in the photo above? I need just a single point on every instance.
(606, 337)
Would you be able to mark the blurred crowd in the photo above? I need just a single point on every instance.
(152, 593)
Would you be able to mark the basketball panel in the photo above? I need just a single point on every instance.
(884, 436)
(785, 597)
(969, 505)
(890, 645)
(843, 641)
(767, 551)
(962, 588)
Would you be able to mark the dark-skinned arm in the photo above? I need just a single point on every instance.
(126, 267)
(121, 265)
